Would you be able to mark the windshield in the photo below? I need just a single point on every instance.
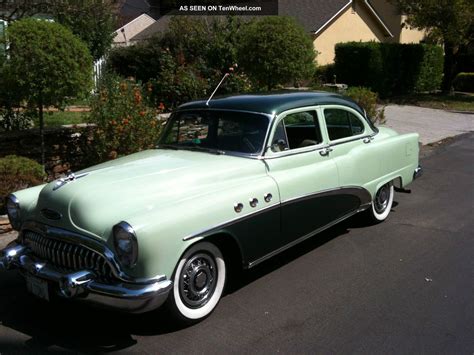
(216, 131)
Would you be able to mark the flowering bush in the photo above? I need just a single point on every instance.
(126, 123)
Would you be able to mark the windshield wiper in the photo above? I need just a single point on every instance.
(203, 149)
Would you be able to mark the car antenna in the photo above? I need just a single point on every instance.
(231, 70)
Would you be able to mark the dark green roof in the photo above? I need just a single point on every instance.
(273, 103)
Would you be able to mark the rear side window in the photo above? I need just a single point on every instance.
(342, 123)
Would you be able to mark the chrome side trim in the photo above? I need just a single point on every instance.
(286, 153)
(360, 192)
(217, 227)
(303, 238)
(370, 136)
(89, 243)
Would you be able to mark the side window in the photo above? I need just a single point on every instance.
(342, 123)
(297, 130)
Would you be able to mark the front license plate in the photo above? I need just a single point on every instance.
(38, 287)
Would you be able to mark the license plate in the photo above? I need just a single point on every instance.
(37, 287)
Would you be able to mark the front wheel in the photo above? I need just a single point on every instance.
(382, 203)
(198, 282)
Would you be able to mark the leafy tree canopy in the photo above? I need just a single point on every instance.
(450, 22)
(91, 20)
(276, 51)
(48, 62)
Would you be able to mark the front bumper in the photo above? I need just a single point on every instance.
(84, 286)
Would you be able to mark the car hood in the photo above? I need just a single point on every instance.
(106, 194)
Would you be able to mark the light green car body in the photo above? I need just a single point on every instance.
(176, 198)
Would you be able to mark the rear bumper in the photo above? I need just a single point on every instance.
(84, 286)
(418, 172)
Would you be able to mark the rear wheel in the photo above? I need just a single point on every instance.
(382, 203)
(198, 282)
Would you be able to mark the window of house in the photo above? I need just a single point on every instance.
(342, 124)
(297, 130)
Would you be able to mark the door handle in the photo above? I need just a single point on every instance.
(368, 139)
(324, 152)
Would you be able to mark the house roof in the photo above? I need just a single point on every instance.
(313, 15)
(273, 103)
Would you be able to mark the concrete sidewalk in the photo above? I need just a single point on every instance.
(432, 125)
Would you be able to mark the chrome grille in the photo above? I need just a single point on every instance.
(66, 255)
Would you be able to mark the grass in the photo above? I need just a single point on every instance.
(59, 118)
(455, 102)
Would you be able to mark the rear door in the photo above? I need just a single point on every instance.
(350, 139)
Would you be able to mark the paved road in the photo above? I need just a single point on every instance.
(432, 125)
(403, 286)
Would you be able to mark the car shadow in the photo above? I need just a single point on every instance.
(80, 328)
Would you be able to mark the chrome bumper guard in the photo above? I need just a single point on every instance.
(83, 286)
(418, 172)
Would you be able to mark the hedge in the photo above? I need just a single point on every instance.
(390, 68)
(464, 82)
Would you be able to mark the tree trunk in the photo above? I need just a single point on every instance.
(41, 123)
(449, 69)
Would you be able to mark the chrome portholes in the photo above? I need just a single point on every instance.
(382, 198)
(268, 197)
(198, 280)
(253, 202)
(238, 207)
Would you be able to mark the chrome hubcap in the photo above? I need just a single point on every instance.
(382, 198)
(198, 280)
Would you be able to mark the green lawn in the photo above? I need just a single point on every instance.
(59, 118)
(456, 102)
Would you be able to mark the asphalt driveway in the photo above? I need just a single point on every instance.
(403, 286)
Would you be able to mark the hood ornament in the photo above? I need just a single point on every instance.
(69, 178)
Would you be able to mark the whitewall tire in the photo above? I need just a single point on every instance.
(382, 203)
(198, 282)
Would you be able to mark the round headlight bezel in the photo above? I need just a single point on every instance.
(125, 244)
(13, 211)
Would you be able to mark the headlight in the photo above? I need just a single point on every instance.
(126, 244)
(13, 210)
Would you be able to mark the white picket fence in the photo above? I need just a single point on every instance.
(99, 67)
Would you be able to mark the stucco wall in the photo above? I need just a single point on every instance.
(354, 24)
(409, 35)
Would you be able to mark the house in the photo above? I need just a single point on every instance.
(332, 22)
(336, 21)
(129, 30)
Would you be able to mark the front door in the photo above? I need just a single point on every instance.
(306, 175)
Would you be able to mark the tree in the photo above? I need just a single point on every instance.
(276, 50)
(49, 65)
(91, 20)
(450, 22)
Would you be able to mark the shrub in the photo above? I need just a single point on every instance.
(125, 122)
(17, 173)
(275, 51)
(367, 99)
(325, 74)
(390, 68)
(464, 82)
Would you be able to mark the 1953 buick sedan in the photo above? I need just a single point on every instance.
(233, 182)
